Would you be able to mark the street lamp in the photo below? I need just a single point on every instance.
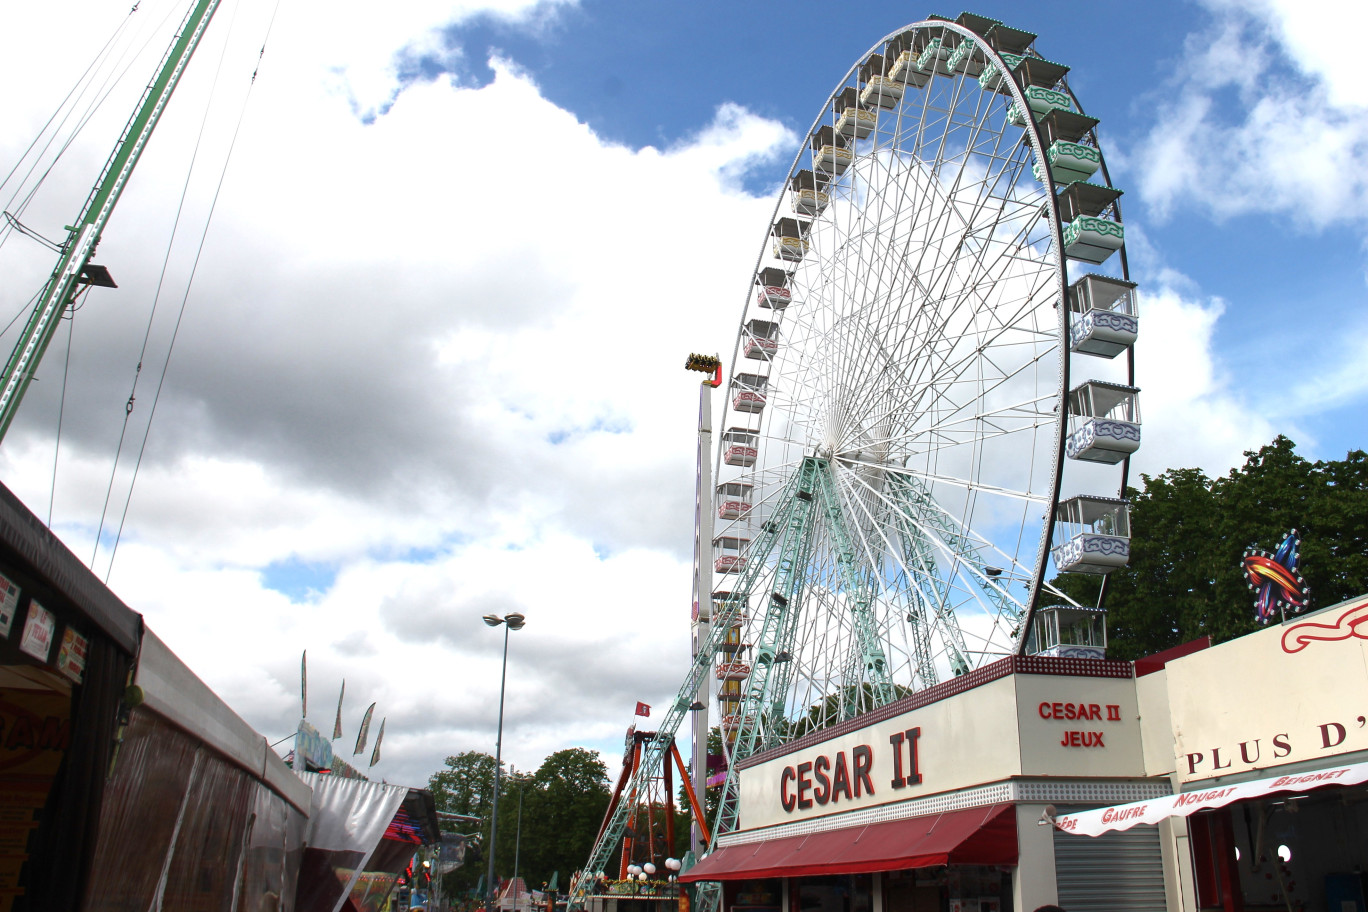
(512, 621)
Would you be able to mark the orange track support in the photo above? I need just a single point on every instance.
(699, 817)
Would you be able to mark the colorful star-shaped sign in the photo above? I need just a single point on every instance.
(1274, 580)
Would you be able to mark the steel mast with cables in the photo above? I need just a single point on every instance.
(73, 266)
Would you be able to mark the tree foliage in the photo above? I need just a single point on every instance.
(465, 786)
(1189, 533)
(562, 805)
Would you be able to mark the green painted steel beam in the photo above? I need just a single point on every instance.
(859, 592)
(761, 721)
(914, 513)
(84, 235)
(655, 755)
(810, 504)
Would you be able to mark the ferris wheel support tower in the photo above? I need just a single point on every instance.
(702, 577)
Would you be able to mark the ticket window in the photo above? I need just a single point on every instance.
(957, 888)
(835, 893)
(913, 891)
(753, 895)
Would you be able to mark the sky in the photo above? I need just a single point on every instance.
(429, 366)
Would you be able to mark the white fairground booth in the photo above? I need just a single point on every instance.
(1232, 777)
(1267, 749)
(931, 804)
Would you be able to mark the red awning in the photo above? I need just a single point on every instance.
(982, 835)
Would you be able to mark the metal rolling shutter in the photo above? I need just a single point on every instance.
(1115, 872)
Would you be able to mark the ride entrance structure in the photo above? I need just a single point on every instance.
(937, 404)
(644, 874)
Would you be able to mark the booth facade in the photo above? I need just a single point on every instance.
(125, 782)
(1265, 741)
(1230, 777)
(931, 804)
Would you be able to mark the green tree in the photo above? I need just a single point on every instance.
(562, 814)
(466, 786)
(562, 805)
(1189, 533)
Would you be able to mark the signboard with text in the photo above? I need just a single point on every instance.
(1019, 725)
(1295, 692)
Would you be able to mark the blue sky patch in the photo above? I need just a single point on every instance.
(300, 580)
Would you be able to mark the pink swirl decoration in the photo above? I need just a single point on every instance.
(1352, 623)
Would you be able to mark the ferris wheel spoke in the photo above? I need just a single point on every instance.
(965, 484)
(934, 587)
(917, 405)
(945, 523)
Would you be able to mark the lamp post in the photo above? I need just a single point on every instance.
(517, 846)
(512, 621)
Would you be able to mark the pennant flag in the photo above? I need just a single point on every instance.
(337, 723)
(643, 709)
(364, 733)
(304, 684)
(375, 754)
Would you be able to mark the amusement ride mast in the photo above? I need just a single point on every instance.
(73, 266)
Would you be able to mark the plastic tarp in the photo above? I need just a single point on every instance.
(1125, 816)
(347, 821)
(174, 692)
(185, 827)
(414, 825)
(982, 835)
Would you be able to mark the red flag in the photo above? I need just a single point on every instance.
(643, 709)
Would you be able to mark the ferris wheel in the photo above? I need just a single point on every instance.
(931, 405)
(907, 454)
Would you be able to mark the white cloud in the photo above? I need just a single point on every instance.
(1307, 29)
(439, 353)
(1339, 380)
(1194, 414)
(1295, 140)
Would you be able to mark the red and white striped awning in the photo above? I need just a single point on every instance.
(1125, 816)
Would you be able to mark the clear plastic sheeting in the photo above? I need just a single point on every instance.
(183, 827)
(414, 825)
(275, 850)
(388, 861)
(347, 821)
